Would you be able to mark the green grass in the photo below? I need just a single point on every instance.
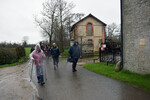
(65, 52)
(91, 57)
(27, 50)
(142, 81)
(64, 55)
(63, 58)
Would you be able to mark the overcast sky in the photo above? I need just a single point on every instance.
(16, 16)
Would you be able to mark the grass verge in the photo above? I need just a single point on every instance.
(91, 57)
(27, 50)
(62, 58)
(64, 55)
(65, 52)
(142, 81)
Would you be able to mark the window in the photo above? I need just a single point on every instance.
(89, 29)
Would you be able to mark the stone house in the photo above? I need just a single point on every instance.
(89, 32)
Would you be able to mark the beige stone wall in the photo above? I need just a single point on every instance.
(136, 35)
(96, 25)
(97, 32)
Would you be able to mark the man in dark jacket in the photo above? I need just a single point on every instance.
(55, 54)
(32, 49)
(74, 54)
(42, 45)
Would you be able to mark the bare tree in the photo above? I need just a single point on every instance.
(111, 29)
(46, 23)
(117, 34)
(56, 20)
(73, 18)
(113, 32)
(78, 16)
(64, 10)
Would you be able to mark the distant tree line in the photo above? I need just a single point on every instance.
(6, 44)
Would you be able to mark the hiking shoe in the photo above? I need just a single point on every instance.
(42, 83)
(74, 70)
(38, 78)
(39, 81)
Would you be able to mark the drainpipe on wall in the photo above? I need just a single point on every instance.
(81, 45)
(105, 34)
(121, 9)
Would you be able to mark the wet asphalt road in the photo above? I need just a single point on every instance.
(63, 84)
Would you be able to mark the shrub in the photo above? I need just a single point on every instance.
(20, 52)
(10, 55)
(7, 56)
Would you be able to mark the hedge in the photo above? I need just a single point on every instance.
(10, 55)
(20, 52)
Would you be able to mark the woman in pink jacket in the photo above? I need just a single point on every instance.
(37, 57)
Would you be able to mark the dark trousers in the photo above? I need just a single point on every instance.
(74, 63)
(55, 60)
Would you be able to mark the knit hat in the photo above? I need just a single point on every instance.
(54, 43)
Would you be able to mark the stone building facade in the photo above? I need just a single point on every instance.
(89, 31)
(136, 35)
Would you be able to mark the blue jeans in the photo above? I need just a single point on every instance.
(39, 73)
(39, 70)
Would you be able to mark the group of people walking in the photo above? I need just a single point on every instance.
(40, 52)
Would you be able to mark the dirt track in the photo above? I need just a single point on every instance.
(15, 83)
